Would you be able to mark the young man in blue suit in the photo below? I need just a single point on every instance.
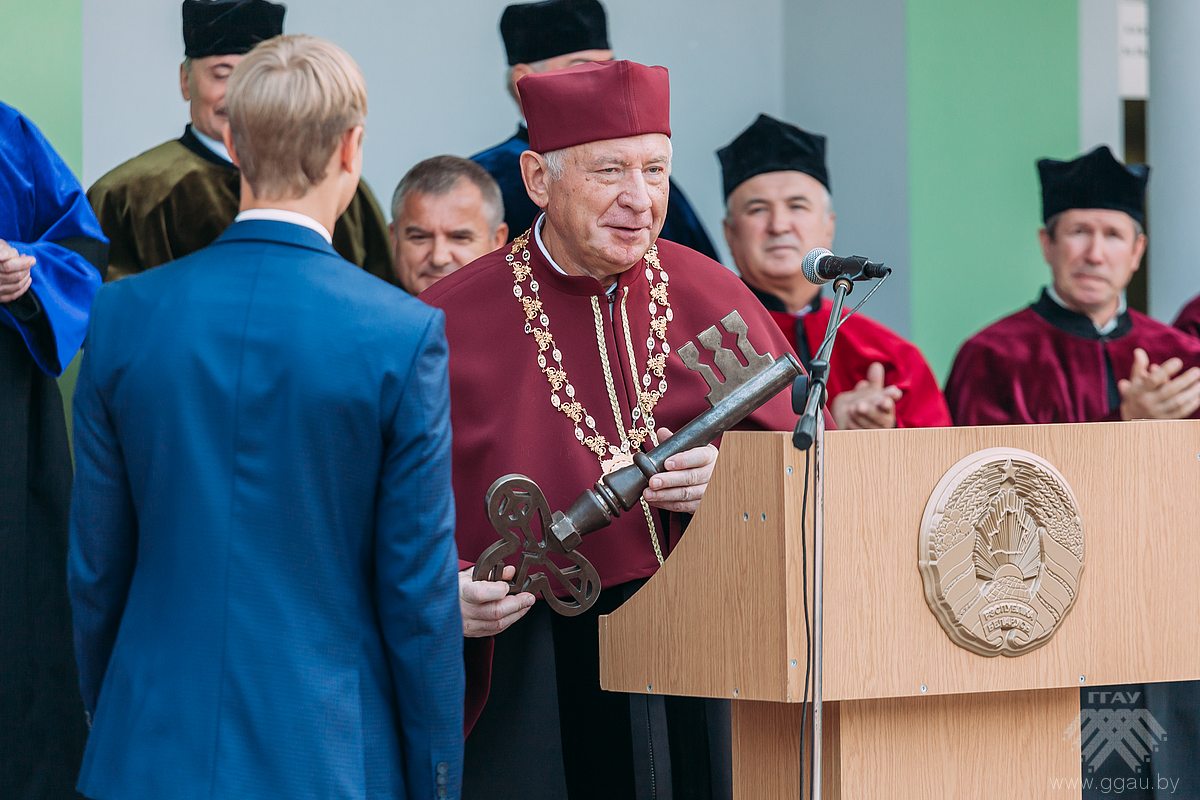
(262, 563)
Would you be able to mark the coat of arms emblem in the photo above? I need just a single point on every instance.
(1001, 551)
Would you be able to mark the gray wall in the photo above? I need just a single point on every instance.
(1173, 128)
(435, 75)
(845, 76)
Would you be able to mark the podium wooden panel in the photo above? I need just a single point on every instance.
(914, 714)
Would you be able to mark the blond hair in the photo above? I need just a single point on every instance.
(290, 100)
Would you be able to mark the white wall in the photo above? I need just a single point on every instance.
(435, 76)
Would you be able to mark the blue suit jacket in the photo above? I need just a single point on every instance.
(262, 563)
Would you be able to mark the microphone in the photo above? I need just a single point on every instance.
(821, 266)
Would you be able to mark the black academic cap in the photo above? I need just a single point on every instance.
(228, 27)
(537, 31)
(769, 145)
(1094, 180)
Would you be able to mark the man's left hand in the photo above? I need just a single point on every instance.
(15, 276)
(682, 486)
(869, 405)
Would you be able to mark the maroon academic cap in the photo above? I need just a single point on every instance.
(593, 102)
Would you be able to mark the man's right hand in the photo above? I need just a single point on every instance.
(487, 607)
(1159, 391)
(15, 276)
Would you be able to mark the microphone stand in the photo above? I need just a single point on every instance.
(809, 430)
(818, 372)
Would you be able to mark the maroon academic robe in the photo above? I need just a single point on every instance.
(860, 342)
(501, 413)
(1188, 320)
(1048, 364)
(500, 401)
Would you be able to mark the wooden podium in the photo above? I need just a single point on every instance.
(907, 712)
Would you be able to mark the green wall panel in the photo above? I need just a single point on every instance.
(991, 87)
(41, 74)
(41, 69)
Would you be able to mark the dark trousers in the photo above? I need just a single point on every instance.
(42, 728)
(549, 731)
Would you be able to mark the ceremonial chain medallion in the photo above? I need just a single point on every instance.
(642, 428)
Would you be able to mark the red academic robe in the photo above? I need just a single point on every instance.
(860, 342)
(1048, 364)
(501, 413)
(1188, 320)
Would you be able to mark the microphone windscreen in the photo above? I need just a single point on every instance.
(809, 266)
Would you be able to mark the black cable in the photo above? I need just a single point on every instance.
(853, 311)
(805, 709)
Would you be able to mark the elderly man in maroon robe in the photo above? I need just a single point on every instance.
(562, 364)
(1078, 354)
(778, 208)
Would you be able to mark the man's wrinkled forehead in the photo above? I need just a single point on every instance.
(646, 149)
(213, 63)
(785, 185)
(1093, 218)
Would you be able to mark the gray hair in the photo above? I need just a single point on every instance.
(440, 174)
(556, 161)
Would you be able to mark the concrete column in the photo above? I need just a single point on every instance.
(1173, 128)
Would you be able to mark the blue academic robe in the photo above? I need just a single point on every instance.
(262, 564)
(503, 162)
(44, 214)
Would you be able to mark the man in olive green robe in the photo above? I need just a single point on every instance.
(178, 197)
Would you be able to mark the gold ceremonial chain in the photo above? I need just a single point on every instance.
(609, 455)
(625, 456)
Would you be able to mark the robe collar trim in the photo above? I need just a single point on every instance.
(212, 144)
(1081, 325)
(192, 142)
(550, 275)
(774, 303)
(1104, 329)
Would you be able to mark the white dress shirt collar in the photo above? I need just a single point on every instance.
(537, 238)
(280, 215)
(1106, 328)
